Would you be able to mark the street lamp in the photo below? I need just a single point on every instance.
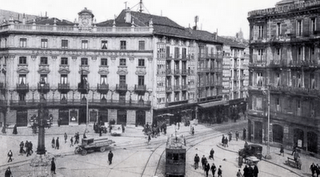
(41, 122)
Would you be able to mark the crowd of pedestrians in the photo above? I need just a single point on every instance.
(315, 170)
(205, 165)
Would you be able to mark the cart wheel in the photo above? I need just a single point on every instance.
(84, 152)
(102, 149)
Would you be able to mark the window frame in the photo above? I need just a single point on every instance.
(142, 45)
(63, 59)
(84, 61)
(23, 42)
(21, 59)
(123, 45)
(123, 62)
(64, 43)
(44, 43)
(141, 62)
(104, 62)
(43, 60)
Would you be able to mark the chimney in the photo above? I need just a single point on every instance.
(128, 16)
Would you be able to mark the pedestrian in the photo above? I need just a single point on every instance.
(222, 140)
(149, 138)
(53, 143)
(59, 122)
(281, 150)
(240, 161)
(246, 171)
(226, 141)
(255, 171)
(203, 161)
(213, 169)
(239, 173)
(10, 154)
(244, 133)
(250, 171)
(237, 135)
(15, 130)
(57, 143)
(28, 148)
(230, 136)
(53, 167)
(21, 151)
(313, 169)
(317, 170)
(296, 156)
(8, 173)
(65, 137)
(71, 141)
(76, 136)
(207, 168)
(220, 171)
(211, 156)
(110, 156)
(100, 131)
(31, 147)
(196, 161)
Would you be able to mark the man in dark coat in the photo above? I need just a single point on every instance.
(10, 154)
(15, 130)
(211, 156)
(57, 143)
(206, 169)
(8, 173)
(203, 161)
(213, 169)
(255, 171)
(245, 171)
(244, 133)
(220, 171)
(196, 161)
(110, 156)
(53, 166)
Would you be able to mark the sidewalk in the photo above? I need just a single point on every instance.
(276, 159)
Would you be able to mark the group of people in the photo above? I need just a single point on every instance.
(315, 169)
(248, 171)
(206, 166)
(224, 141)
(29, 148)
(55, 144)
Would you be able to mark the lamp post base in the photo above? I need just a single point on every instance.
(40, 165)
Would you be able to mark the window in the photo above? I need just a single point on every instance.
(104, 62)
(123, 45)
(23, 60)
(313, 25)
(277, 79)
(22, 79)
(22, 97)
(122, 62)
(140, 80)
(278, 51)
(299, 27)
(141, 62)
(184, 52)
(64, 44)
(122, 79)
(43, 78)
(278, 29)
(23, 42)
(84, 61)
(260, 32)
(84, 44)
(43, 61)
(44, 43)
(64, 61)
(278, 104)
(141, 45)
(63, 78)
(259, 79)
(104, 44)
(176, 52)
(103, 79)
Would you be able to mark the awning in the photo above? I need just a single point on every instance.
(215, 103)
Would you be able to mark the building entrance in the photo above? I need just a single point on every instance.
(140, 118)
(22, 118)
(82, 115)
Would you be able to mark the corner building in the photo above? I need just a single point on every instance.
(284, 61)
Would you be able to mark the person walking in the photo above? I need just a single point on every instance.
(31, 147)
(207, 168)
(53, 167)
(71, 141)
(57, 143)
(239, 173)
(313, 169)
(8, 173)
(10, 154)
(53, 143)
(65, 137)
(220, 171)
(203, 161)
(110, 156)
(28, 148)
(255, 171)
(246, 171)
(244, 133)
(213, 169)
(196, 161)
(149, 138)
(211, 156)
(15, 130)
(21, 151)
(317, 170)
(281, 150)
(237, 135)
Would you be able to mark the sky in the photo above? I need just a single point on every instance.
(225, 16)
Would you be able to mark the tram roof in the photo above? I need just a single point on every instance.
(176, 142)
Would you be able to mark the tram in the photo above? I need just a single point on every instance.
(176, 156)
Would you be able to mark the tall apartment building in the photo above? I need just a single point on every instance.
(137, 68)
(284, 61)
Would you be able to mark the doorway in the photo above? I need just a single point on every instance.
(82, 115)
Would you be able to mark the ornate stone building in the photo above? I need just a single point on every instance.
(284, 63)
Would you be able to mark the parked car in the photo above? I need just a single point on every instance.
(93, 144)
(116, 130)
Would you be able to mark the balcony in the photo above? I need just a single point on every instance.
(63, 87)
(121, 87)
(184, 86)
(103, 88)
(169, 88)
(83, 88)
(176, 72)
(140, 89)
(168, 72)
(22, 88)
(177, 88)
(44, 88)
(184, 71)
